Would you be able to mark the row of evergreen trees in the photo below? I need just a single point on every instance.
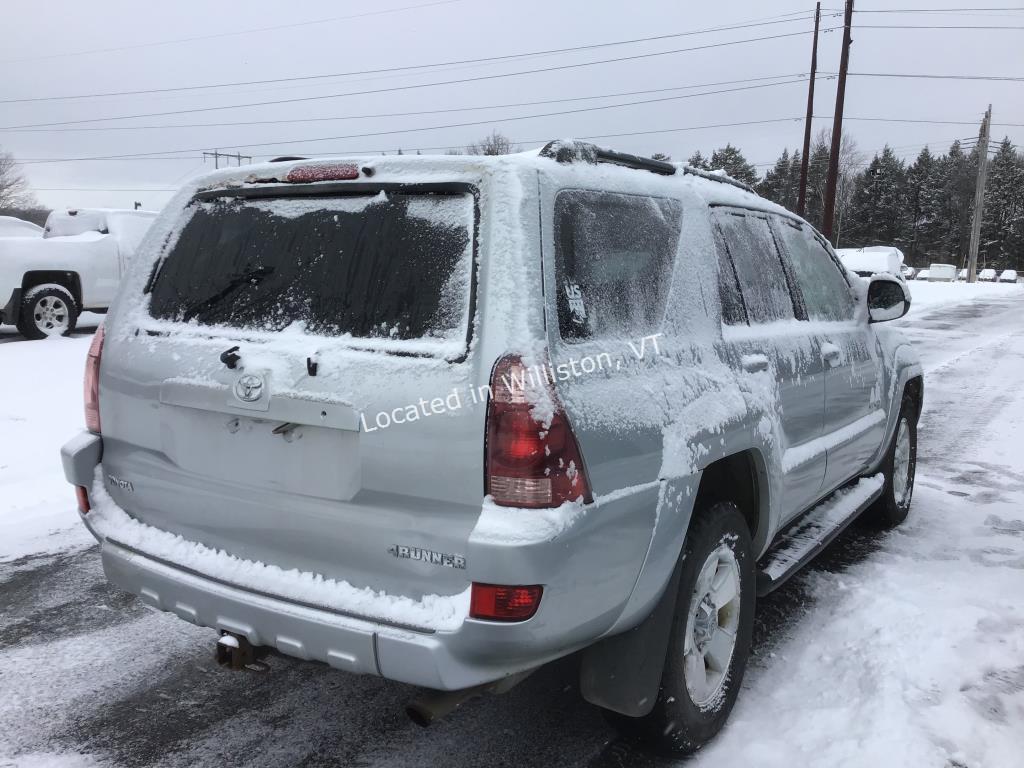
(923, 208)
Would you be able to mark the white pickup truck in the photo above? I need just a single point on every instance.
(76, 266)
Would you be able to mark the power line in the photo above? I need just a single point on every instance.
(935, 26)
(998, 78)
(439, 147)
(929, 122)
(936, 10)
(465, 124)
(579, 65)
(229, 34)
(410, 68)
(563, 100)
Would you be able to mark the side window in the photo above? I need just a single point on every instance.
(733, 312)
(613, 262)
(826, 293)
(758, 267)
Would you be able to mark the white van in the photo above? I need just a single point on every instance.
(942, 273)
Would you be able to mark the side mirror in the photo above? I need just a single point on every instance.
(888, 298)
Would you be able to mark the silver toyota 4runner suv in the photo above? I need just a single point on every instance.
(446, 419)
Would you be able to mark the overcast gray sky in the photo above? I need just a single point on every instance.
(63, 48)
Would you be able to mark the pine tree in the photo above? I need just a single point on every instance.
(878, 207)
(697, 161)
(776, 181)
(917, 190)
(1002, 230)
(732, 161)
(662, 157)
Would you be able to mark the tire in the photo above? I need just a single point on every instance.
(47, 310)
(688, 714)
(899, 467)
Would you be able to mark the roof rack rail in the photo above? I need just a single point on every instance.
(720, 178)
(572, 151)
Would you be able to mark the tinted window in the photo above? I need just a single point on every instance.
(826, 293)
(613, 262)
(373, 266)
(733, 312)
(758, 268)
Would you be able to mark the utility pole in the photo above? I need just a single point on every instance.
(217, 155)
(979, 196)
(832, 180)
(801, 204)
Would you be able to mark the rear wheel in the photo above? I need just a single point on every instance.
(899, 467)
(710, 640)
(47, 310)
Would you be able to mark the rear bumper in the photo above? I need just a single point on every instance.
(584, 596)
(306, 632)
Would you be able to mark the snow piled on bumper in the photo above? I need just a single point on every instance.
(433, 612)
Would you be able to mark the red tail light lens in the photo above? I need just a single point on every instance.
(323, 172)
(82, 495)
(92, 382)
(493, 602)
(529, 463)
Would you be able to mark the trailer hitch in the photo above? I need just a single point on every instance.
(237, 653)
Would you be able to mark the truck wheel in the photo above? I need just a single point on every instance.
(899, 466)
(47, 310)
(710, 639)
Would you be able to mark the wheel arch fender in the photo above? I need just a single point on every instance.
(622, 672)
(68, 279)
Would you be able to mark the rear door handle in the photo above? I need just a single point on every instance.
(755, 363)
(831, 354)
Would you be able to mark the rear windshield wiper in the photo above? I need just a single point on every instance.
(253, 276)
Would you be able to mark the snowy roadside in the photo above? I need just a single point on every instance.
(40, 408)
(925, 297)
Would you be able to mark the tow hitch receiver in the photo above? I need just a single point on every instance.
(237, 653)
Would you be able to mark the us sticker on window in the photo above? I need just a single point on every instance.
(577, 309)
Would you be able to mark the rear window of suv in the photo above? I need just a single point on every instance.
(389, 266)
(613, 262)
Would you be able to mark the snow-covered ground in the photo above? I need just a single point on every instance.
(897, 649)
(927, 296)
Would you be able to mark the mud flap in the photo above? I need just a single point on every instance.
(623, 673)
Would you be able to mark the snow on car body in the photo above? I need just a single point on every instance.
(77, 264)
(485, 442)
(941, 273)
(12, 226)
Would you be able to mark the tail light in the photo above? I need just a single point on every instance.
(322, 172)
(493, 602)
(92, 382)
(82, 495)
(527, 462)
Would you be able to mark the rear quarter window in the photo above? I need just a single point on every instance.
(613, 262)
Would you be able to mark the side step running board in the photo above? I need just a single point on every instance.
(810, 533)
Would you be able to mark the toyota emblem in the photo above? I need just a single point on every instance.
(249, 388)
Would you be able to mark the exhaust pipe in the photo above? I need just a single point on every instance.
(433, 705)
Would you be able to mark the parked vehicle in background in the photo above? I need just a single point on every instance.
(646, 396)
(922, 275)
(987, 276)
(1008, 276)
(942, 273)
(12, 226)
(908, 272)
(46, 282)
(961, 276)
(873, 260)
